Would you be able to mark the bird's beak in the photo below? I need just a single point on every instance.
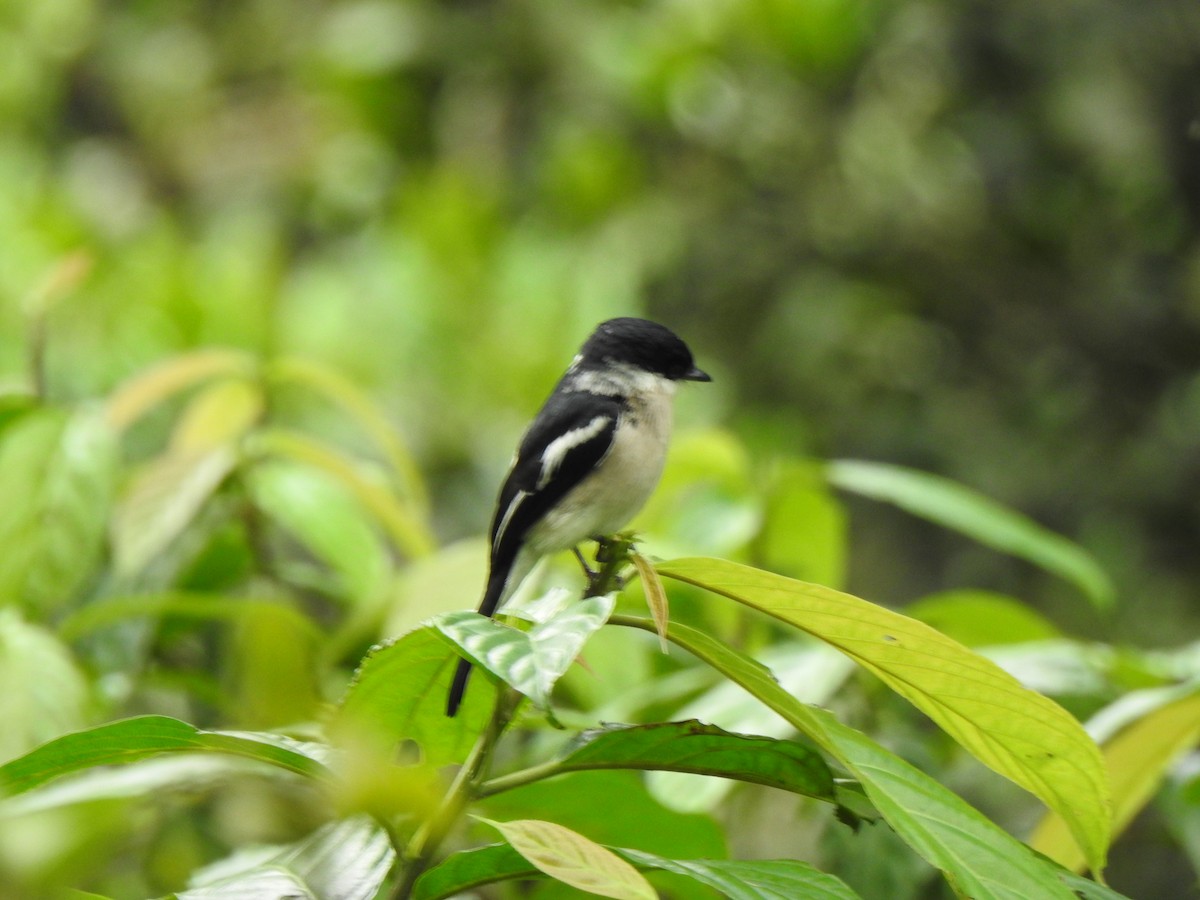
(695, 375)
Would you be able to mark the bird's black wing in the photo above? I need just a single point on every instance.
(567, 440)
(565, 443)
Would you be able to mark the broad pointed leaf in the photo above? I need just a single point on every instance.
(771, 879)
(978, 858)
(129, 740)
(702, 750)
(398, 695)
(1021, 734)
(319, 512)
(1139, 757)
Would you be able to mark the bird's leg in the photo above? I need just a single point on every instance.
(610, 554)
(587, 570)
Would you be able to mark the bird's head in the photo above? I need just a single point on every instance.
(642, 345)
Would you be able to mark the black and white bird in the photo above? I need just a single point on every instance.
(590, 458)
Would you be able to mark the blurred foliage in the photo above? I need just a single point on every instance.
(281, 281)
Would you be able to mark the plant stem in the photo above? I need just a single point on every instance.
(469, 784)
(429, 836)
(518, 779)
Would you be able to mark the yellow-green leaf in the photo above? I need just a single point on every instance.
(980, 859)
(569, 857)
(222, 413)
(1138, 757)
(1022, 735)
(148, 389)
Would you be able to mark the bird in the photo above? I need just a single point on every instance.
(590, 458)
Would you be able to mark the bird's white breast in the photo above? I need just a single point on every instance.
(609, 497)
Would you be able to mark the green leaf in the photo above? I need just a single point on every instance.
(978, 858)
(808, 669)
(569, 857)
(149, 780)
(328, 520)
(1138, 758)
(141, 737)
(1018, 733)
(27, 449)
(531, 661)
(982, 618)
(162, 500)
(399, 693)
(46, 692)
(460, 872)
(404, 524)
(958, 507)
(57, 475)
(272, 666)
(732, 879)
(344, 860)
(702, 750)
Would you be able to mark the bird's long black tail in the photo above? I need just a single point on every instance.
(458, 687)
(497, 579)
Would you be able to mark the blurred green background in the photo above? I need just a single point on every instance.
(963, 237)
